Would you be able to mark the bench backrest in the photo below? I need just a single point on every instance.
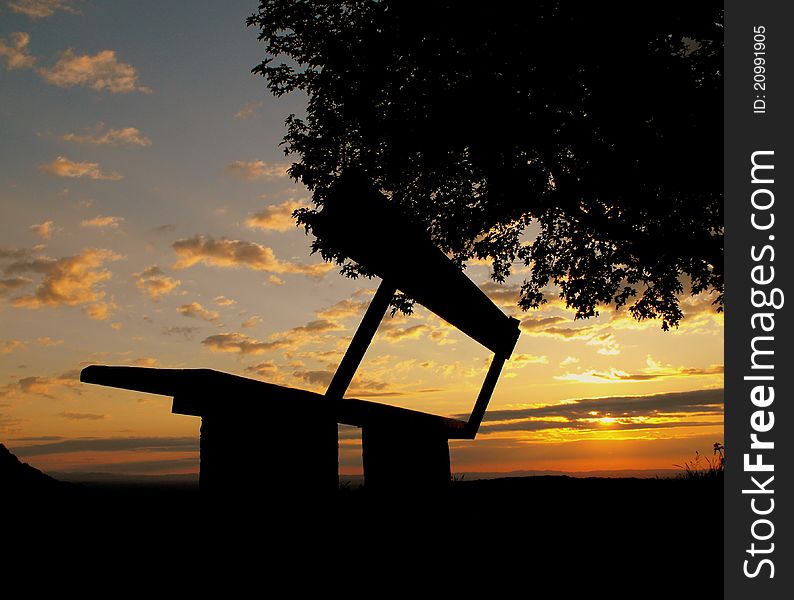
(357, 220)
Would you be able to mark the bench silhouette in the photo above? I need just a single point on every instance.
(247, 423)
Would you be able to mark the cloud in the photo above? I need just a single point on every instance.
(9, 346)
(42, 385)
(101, 71)
(238, 253)
(99, 311)
(243, 344)
(48, 342)
(43, 230)
(348, 307)
(248, 110)
(275, 280)
(360, 386)
(316, 326)
(533, 323)
(155, 283)
(569, 360)
(196, 311)
(185, 332)
(10, 424)
(224, 301)
(39, 9)
(277, 217)
(240, 343)
(595, 335)
(157, 466)
(521, 360)
(266, 368)
(619, 410)
(607, 343)
(68, 281)
(257, 169)
(10, 284)
(167, 228)
(315, 378)
(154, 444)
(76, 416)
(7, 253)
(653, 372)
(101, 222)
(505, 295)
(145, 361)
(392, 331)
(15, 52)
(99, 136)
(251, 321)
(63, 167)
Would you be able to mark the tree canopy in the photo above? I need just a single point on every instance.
(583, 139)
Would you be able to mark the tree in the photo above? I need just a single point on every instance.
(583, 139)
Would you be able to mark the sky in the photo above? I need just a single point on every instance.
(146, 221)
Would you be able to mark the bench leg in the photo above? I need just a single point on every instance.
(254, 458)
(400, 461)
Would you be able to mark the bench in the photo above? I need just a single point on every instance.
(244, 420)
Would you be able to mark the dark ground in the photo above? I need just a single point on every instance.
(596, 534)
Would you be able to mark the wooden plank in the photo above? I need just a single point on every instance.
(358, 220)
(484, 397)
(361, 340)
(200, 392)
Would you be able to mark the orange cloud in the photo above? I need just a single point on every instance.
(68, 281)
(344, 308)
(101, 71)
(9, 346)
(196, 311)
(15, 52)
(238, 253)
(653, 372)
(257, 169)
(155, 283)
(505, 295)
(39, 9)
(63, 167)
(251, 321)
(224, 301)
(101, 222)
(75, 416)
(239, 343)
(248, 110)
(243, 344)
(145, 361)
(44, 230)
(277, 217)
(264, 369)
(12, 283)
(42, 385)
(394, 333)
(126, 136)
(528, 359)
(533, 323)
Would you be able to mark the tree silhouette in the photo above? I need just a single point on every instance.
(583, 139)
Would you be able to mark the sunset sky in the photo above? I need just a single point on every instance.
(146, 221)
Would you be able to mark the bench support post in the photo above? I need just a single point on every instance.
(256, 458)
(404, 462)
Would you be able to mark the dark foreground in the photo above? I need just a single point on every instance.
(570, 531)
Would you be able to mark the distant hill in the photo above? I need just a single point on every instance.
(18, 478)
(610, 473)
